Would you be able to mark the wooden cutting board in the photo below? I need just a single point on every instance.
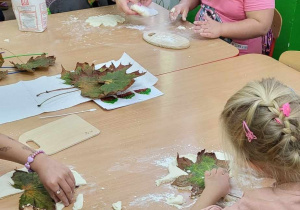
(60, 134)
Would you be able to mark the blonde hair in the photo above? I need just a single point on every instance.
(277, 147)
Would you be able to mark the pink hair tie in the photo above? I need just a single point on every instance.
(30, 159)
(248, 132)
(286, 109)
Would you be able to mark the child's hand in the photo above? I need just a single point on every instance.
(208, 28)
(56, 178)
(122, 5)
(182, 9)
(145, 2)
(217, 182)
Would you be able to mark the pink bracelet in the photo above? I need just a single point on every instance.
(30, 159)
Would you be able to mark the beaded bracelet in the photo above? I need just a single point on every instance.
(30, 159)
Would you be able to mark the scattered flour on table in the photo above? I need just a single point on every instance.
(181, 28)
(137, 27)
(150, 198)
(105, 20)
(6, 40)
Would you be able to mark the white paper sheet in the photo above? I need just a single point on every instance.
(19, 101)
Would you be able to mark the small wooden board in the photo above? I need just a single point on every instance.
(60, 134)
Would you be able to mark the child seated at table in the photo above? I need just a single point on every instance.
(242, 23)
(58, 6)
(57, 179)
(262, 126)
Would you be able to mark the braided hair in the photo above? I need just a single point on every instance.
(277, 147)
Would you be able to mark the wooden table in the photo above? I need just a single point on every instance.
(135, 141)
(72, 40)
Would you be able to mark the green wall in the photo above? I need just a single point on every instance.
(290, 31)
(289, 38)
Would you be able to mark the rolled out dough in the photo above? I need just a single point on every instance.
(144, 11)
(166, 40)
(176, 201)
(117, 205)
(105, 20)
(79, 202)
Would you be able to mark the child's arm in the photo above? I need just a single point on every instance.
(257, 24)
(54, 176)
(216, 186)
(183, 8)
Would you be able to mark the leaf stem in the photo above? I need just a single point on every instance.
(39, 105)
(13, 56)
(49, 91)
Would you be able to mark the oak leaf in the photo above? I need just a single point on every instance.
(97, 84)
(32, 64)
(195, 178)
(34, 194)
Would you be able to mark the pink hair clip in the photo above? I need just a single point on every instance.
(248, 132)
(286, 109)
(278, 120)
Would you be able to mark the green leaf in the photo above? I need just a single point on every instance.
(97, 84)
(32, 64)
(109, 100)
(195, 178)
(34, 192)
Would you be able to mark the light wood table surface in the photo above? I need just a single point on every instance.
(136, 141)
(72, 40)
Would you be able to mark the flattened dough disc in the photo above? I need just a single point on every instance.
(60, 134)
(166, 40)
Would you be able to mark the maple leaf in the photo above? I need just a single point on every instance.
(1, 60)
(97, 84)
(195, 178)
(145, 91)
(34, 192)
(34, 63)
(127, 95)
(3, 74)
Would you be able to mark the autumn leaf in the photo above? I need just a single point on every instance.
(32, 64)
(195, 178)
(145, 91)
(97, 84)
(127, 95)
(1, 60)
(34, 192)
(3, 74)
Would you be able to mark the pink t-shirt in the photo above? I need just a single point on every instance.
(235, 10)
(265, 199)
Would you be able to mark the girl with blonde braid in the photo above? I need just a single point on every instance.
(262, 126)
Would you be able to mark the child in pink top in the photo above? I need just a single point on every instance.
(262, 126)
(241, 23)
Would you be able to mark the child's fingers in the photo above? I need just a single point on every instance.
(213, 171)
(197, 27)
(175, 14)
(206, 35)
(199, 23)
(184, 14)
(207, 173)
